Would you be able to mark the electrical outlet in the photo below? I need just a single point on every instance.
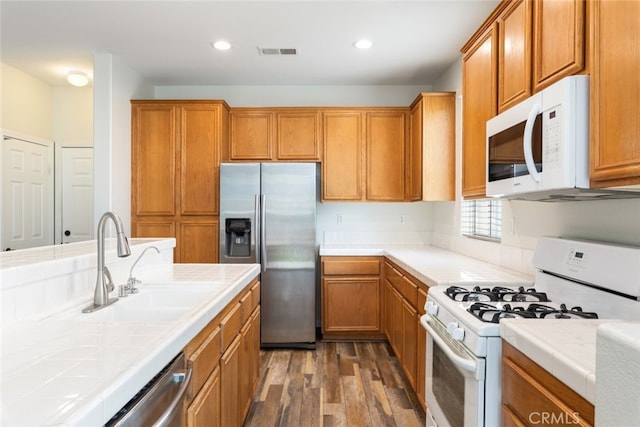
(401, 219)
(339, 219)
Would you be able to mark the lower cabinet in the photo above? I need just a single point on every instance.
(225, 362)
(351, 298)
(531, 395)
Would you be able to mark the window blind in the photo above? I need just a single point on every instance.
(482, 219)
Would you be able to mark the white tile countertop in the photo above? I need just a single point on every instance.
(435, 266)
(567, 350)
(69, 370)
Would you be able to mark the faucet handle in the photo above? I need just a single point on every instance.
(131, 285)
(109, 280)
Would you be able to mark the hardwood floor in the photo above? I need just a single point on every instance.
(338, 384)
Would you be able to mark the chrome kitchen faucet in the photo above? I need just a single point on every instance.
(103, 287)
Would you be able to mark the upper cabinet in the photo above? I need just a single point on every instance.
(479, 104)
(175, 168)
(364, 154)
(431, 147)
(615, 94)
(522, 47)
(263, 134)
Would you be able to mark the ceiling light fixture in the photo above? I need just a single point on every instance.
(77, 78)
(222, 45)
(363, 44)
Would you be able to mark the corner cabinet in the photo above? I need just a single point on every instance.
(530, 393)
(615, 94)
(431, 147)
(175, 162)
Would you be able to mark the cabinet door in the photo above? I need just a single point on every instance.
(199, 161)
(438, 147)
(409, 342)
(615, 94)
(299, 135)
(154, 146)
(342, 165)
(255, 349)
(154, 227)
(421, 343)
(244, 379)
(205, 408)
(514, 54)
(479, 68)
(351, 304)
(386, 140)
(396, 324)
(388, 310)
(415, 143)
(559, 40)
(198, 241)
(251, 135)
(230, 385)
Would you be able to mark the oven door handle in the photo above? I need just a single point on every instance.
(466, 364)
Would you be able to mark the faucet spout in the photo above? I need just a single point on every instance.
(101, 294)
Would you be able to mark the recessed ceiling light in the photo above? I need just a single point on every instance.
(363, 44)
(77, 78)
(222, 45)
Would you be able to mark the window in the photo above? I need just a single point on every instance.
(481, 219)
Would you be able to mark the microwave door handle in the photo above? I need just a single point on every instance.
(526, 142)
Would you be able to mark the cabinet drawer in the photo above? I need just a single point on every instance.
(404, 285)
(255, 295)
(351, 266)
(230, 325)
(204, 360)
(246, 307)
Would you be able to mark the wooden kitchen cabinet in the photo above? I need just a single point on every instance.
(225, 362)
(431, 147)
(514, 53)
(479, 104)
(528, 391)
(342, 168)
(364, 154)
(251, 134)
(559, 40)
(385, 154)
(175, 168)
(275, 134)
(351, 298)
(615, 94)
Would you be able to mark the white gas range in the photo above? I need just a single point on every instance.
(574, 279)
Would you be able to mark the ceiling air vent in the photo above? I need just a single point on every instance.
(277, 51)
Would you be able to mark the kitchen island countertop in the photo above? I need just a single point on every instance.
(69, 370)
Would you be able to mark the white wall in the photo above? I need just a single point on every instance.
(115, 85)
(297, 96)
(26, 105)
(72, 113)
(615, 221)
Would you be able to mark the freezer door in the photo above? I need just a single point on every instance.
(289, 252)
(239, 206)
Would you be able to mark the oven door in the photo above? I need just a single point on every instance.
(454, 379)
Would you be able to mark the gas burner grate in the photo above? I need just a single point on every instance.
(491, 314)
(495, 294)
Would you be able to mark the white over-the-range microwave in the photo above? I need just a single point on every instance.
(541, 145)
(539, 148)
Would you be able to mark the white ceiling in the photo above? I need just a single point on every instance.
(169, 42)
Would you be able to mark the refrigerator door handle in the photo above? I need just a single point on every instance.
(263, 232)
(258, 226)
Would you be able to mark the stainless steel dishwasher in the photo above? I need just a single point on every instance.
(160, 402)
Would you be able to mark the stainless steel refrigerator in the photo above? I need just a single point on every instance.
(268, 216)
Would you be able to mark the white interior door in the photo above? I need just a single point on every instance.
(77, 194)
(27, 194)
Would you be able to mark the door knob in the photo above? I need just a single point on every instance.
(67, 233)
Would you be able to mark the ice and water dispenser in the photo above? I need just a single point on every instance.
(238, 237)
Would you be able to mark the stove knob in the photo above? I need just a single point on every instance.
(452, 327)
(458, 334)
(432, 308)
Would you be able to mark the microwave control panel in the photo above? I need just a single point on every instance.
(551, 154)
